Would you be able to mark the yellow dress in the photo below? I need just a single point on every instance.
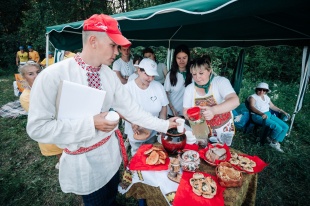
(46, 149)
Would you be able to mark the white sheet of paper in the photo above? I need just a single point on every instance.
(76, 101)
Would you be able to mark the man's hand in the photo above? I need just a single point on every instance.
(102, 124)
(172, 122)
(264, 116)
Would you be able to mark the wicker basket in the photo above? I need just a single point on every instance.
(231, 182)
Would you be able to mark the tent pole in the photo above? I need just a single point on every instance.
(305, 74)
(168, 59)
(46, 47)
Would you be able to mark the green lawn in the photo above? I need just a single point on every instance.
(28, 178)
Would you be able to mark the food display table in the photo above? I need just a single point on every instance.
(244, 195)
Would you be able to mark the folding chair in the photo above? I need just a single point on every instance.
(264, 130)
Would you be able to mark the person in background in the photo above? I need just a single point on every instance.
(51, 60)
(151, 96)
(33, 55)
(21, 56)
(124, 65)
(161, 67)
(29, 72)
(260, 104)
(93, 146)
(136, 61)
(215, 96)
(177, 79)
(68, 54)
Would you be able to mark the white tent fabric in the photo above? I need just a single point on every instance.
(304, 80)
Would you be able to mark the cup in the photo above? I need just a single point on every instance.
(213, 139)
(193, 113)
(190, 138)
(112, 116)
(180, 126)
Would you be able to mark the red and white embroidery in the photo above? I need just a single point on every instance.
(93, 76)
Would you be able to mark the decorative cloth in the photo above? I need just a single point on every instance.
(12, 110)
(185, 195)
(260, 164)
(138, 160)
(194, 147)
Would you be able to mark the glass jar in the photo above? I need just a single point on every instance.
(199, 126)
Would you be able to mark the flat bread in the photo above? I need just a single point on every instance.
(153, 158)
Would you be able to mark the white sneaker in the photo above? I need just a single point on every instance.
(57, 166)
(276, 146)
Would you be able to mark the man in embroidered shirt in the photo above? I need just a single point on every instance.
(90, 163)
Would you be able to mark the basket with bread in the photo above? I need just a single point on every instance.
(228, 176)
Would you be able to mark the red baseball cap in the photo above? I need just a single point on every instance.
(107, 24)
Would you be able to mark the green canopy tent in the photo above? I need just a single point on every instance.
(204, 23)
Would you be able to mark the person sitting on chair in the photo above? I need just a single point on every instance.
(260, 104)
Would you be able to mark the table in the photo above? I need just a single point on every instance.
(244, 195)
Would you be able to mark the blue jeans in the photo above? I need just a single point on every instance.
(279, 128)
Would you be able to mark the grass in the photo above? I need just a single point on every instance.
(28, 178)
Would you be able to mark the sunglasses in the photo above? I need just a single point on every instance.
(260, 89)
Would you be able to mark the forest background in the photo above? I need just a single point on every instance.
(23, 23)
(28, 178)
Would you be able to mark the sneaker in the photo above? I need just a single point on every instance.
(276, 146)
(57, 166)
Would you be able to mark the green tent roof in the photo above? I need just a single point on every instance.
(205, 23)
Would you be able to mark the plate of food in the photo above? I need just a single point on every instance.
(150, 157)
(247, 163)
(214, 154)
(142, 134)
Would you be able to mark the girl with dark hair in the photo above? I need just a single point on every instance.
(177, 79)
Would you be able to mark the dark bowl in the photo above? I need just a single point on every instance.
(173, 141)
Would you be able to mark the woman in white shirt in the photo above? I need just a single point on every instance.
(260, 104)
(215, 96)
(151, 96)
(177, 79)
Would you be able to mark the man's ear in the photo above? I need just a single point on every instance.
(93, 41)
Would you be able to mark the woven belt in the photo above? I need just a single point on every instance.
(82, 150)
(118, 133)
